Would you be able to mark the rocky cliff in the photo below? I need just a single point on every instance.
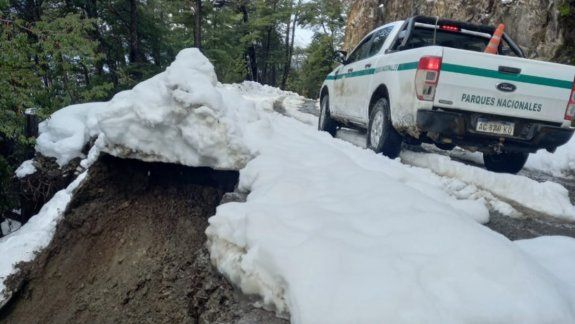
(543, 28)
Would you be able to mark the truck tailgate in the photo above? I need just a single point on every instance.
(504, 85)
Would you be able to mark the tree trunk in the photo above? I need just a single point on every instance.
(266, 56)
(198, 24)
(290, 46)
(91, 7)
(135, 51)
(266, 77)
(251, 52)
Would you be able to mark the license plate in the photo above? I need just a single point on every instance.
(495, 127)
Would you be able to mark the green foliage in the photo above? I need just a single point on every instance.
(326, 16)
(223, 46)
(317, 64)
(328, 19)
(54, 53)
(565, 9)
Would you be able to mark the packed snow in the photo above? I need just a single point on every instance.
(330, 232)
(25, 169)
(556, 254)
(548, 197)
(21, 245)
(273, 99)
(559, 164)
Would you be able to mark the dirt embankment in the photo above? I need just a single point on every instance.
(131, 249)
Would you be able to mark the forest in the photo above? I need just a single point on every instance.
(54, 53)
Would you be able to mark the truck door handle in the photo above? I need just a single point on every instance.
(509, 70)
(368, 65)
(349, 70)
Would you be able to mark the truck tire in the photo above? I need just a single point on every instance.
(381, 136)
(445, 146)
(505, 162)
(326, 123)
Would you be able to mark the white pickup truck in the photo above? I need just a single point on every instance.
(428, 80)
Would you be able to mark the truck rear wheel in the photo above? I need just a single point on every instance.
(326, 123)
(381, 136)
(505, 162)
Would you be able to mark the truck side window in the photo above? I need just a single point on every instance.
(361, 51)
(379, 38)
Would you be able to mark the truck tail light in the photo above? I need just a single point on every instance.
(450, 28)
(427, 76)
(570, 111)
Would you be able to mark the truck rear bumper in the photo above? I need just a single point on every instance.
(458, 127)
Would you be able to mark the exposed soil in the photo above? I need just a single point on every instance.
(36, 189)
(131, 249)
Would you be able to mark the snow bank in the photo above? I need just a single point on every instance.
(556, 254)
(178, 116)
(547, 197)
(21, 245)
(560, 164)
(337, 234)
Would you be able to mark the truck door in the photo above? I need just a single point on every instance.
(353, 73)
(363, 84)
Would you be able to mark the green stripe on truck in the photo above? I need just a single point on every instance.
(370, 71)
(462, 69)
(407, 66)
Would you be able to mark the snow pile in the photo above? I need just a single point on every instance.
(547, 197)
(25, 169)
(560, 164)
(21, 245)
(178, 116)
(336, 234)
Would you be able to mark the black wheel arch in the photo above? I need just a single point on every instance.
(380, 92)
(323, 92)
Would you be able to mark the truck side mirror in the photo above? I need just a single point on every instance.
(340, 56)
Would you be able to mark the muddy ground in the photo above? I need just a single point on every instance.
(131, 249)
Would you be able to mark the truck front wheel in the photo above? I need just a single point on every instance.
(381, 136)
(325, 122)
(505, 162)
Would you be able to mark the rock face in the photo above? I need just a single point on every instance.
(543, 28)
